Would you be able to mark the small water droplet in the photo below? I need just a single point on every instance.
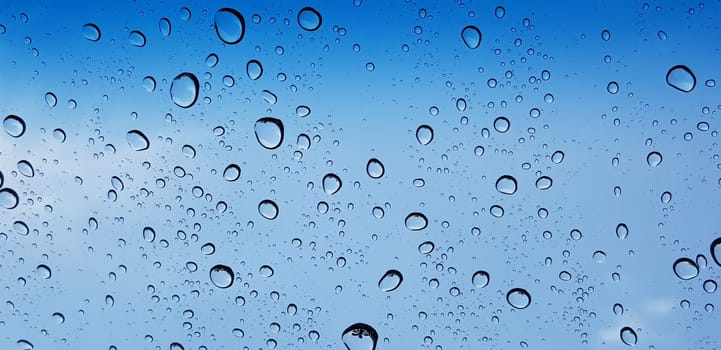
(662, 35)
(544, 183)
(471, 37)
(184, 89)
(496, 211)
(654, 159)
(685, 268)
(506, 184)
(254, 69)
(426, 247)
(309, 19)
(618, 309)
(628, 336)
(229, 25)
(188, 151)
(137, 140)
(621, 231)
(21, 228)
(14, 126)
(424, 134)
(599, 256)
(59, 318)
(266, 271)
(149, 84)
(25, 168)
(480, 279)
(302, 111)
(375, 168)
(461, 105)
(416, 221)
(681, 78)
(606, 35)
(59, 134)
(268, 209)
(557, 157)
(51, 99)
(501, 124)
(360, 336)
(148, 234)
(612, 87)
(666, 197)
(390, 281)
(331, 183)
(269, 132)
(137, 38)
(44, 271)
(519, 298)
(165, 27)
(231, 172)
(709, 286)
(91, 32)
(499, 12)
(208, 249)
(221, 276)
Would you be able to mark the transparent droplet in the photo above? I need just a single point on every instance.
(149, 234)
(309, 19)
(185, 13)
(606, 35)
(23, 344)
(221, 276)
(302, 111)
(519, 298)
(461, 105)
(496, 211)
(25, 168)
(715, 248)
(557, 157)
(184, 89)
(375, 168)
(331, 183)
(229, 25)
(501, 124)
(424, 134)
(628, 336)
(416, 221)
(360, 336)
(662, 35)
(231, 172)
(506, 184)
(165, 27)
(499, 12)
(480, 279)
(58, 317)
(390, 281)
(188, 151)
(149, 84)
(599, 256)
(268, 209)
(43, 271)
(618, 309)
(238, 332)
(137, 140)
(612, 87)
(426, 247)
(211, 60)
(666, 197)
(51, 99)
(208, 249)
(137, 38)
(91, 32)
(471, 37)
(544, 183)
(254, 69)
(709, 286)
(21, 228)
(59, 134)
(654, 159)
(266, 271)
(621, 231)
(14, 125)
(681, 78)
(269, 132)
(685, 268)
(564, 276)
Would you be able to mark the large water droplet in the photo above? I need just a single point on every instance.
(375, 168)
(506, 184)
(416, 221)
(8, 198)
(184, 89)
(149, 84)
(716, 251)
(254, 69)
(51, 99)
(426, 247)
(137, 38)
(544, 183)
(266, 271)
(165, 27)
(137, 140)
(91, 32)
(231, 172)
(557, 157)
(269, 132)
(501, 124)
(390, 281)
(149, 234)
(21, 228)
(25, 168)
(44, 271)
(519, 298)
(309, 19)
(480, 279)
(14, 125)
(471, 37)
(628, 336)
(654, 159)
(424, 134)
(221, 276)
(268, 209)
(685, 268)
(621, 231)
(681, 78)
(331, 183)
(230, 25)
(360, 336)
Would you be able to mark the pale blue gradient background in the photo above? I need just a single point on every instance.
(360, 115)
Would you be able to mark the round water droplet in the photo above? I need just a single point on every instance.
(231, 172)
(666, 197)
(375, 168)
(268, 209)
(496, 211)
(211, 60)
(390, 281)
(91, 32)
(424, 134)
(621, 231)
(518, 298)
(309, 19)
(229, 25)
(25, 168)
(544, 183)
(137, 140)
(618, 309)
(709, 286)
(480, 279)
(8, 198)
(426, 247)
(302, 111)
(14, 125)
(165, 27)
(360, 336)
(506, 184)
(266, 271)
(149, 234)
(43, 271)
(654, 159)
(59, 318)
(557, 157)
(499, 12)
(331, 183)
(254, 69)
(606, 35)
(184, 89)
(715, 249)
(221, 276)
(628, 336)
(681, 78)
(471, 37)
(51, 99)
(416, 221)
(461, 105)
(269, 132)
(612, 87)
(137, 38)
(501, 124)
(59, 134)
(685, 268)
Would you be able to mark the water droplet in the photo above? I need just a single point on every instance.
(229, 25)
(24, 345)
(176, 346)
(461, 105)
(654, 159)
(500, 11)
(44, 271)
(238, 332)
(506, 184)
(557, 157)
(21, 228)
(496, 211)
(149, 234)
(360, 336)
(309, 19)
(501, 124)
(606, 35)
(254, 69)
(480, 279)
(685, 268)
(471, 37)
(599, 256)
(709, 286)
(184, 89)
(221, 276)
(165, 27)
(622, 231)
(518, 298)
(681, 78)
(715, 248)
(416, 221)
(628, 336)
(137, 140)
(390, 281)
(14, 125)
(268, 209)
(231, 172)
(424, 134)
(266, 271)
(149, 84)
(612, 87)
(137, 38)
(544, 183)
(426, 247)
(666, 197)
(208, 249)
(51, 99)
(375, 168)
(59, 318)
(211, 60)
(269, 132)
(302, 111)
(331, 183)
(91, 32)
(25, 168)
(8, 198)
(188, 151)
(618, 309)
(662, 35)
(59, 134)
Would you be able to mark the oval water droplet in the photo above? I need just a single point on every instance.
(666, 197)
(58, 317)
(229, 25)
(14, 125)
(266, 271)
(188, 151)
(309, 19)
(21, 228)
(612, 88)
(424, 134)
(302, 111)
(471, 37)
(137, 140)
(331, 183)
(51, 99)
(480, 279)
(268, 209)
(628, 336)
(557, 157)
(25, 168)
(715, 250)
(621, 231)
(710, 286)
(654, 159)
(9, 198)
(184, 89)
(416, 221)
(375, 168)
(519, 298)
(231, 172)
(43, 271)
(148, 234)
(461, 105)
(681, 78)
(426, 247)
(254, 69)
(269, 132)
(208, 249)
(506, 184)
(685, 268)
(390, 281)
(544, 183)
(165, 27)
(360, 336)
(137, 38)
(221, 276)
(91, 32)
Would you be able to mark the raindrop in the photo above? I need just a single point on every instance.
(266, 271)
(25, 168)
(709, 286)
(208, 249)
(681, 78)
(375, 168)
(188, 151)
(149, 234)
(606, 35)
(480, 279)
(137, 140)
(471, 37)
(506, 184)
(618, 309)
(302, 111)
(137, 38)
(229, 25)
(268, 209)
(666, 197)
(416, 221)
(496, 211)
(621, 231)
(360, 336)
(149, 84)
(91, 32)
(51, 99)
(24, 345)
(221, 276)
(14, 125)
(44, 271)
(390, 281)
(59, 134)
(599, 256)
(628, 336)
(165, 27)
(269, 132)
(59, 318)
(501, 124)
(662, 35)
(715, 248)
(184, 89)
(331, 183)
(309, 19)
(685, 268)
(424, 134)
(557, 157)
(518, 298)
(254, 69)
(461, 105)
(612, 87)
(544, 183)
(231, 172)
(21, 228)
(500, 11)
(426, 247)
(212, 60)
(654, 159)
